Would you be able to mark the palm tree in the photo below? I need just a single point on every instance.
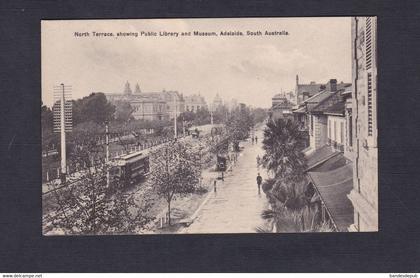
(286, 164)
(284, 220)
(283, 144)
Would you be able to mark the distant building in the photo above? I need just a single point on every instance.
(217, 102)
(194, 103)
(281, 108)
(149, 108)
(233, 104)
(150, 105)
(279, 98)
(364, 195)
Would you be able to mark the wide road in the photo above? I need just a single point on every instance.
(236, 206)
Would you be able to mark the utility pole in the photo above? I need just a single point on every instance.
(107, 153)
(107, 141)
(63, 137)
(183, 126)
(211, 114)
(175, 126)
(62, 112)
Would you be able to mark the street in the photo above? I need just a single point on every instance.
(236, 206)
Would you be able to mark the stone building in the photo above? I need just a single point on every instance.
(194, 103)
(364, 195)
(150, 105)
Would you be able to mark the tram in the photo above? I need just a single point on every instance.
(131, 168)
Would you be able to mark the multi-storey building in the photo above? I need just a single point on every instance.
(194, 103)
(344, 171)
(162, 105)
(281, 108)
(315, 109)
(364, 195)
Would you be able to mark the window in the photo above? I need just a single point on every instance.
(368, 43)
(329, 129)
(369, 104)
(312, 124)
(342, 132)
(335, 131)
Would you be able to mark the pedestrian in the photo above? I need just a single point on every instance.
(252, 138)
(259, 181)
(214, 186)
(256, 139)
(258, 161)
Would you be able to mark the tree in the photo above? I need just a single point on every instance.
(89, 206)
(46, 118)
(174, 171)
(239, 124)
(220, 114)
(123, 111)
(94, 107)
(48, 137)
(259, 115)
(283, 144)
(286, 189)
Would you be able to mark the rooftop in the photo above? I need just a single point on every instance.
(312, 88)
(284, 104)
(336, 109)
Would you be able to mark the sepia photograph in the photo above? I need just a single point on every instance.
(209, 126)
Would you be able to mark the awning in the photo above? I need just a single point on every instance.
(300, 110)
(319, 156)
(333, 188)
(332, 163)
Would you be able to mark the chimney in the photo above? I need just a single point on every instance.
(332, 85)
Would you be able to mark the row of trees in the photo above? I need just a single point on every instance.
(91, 206)
(286, 189)
(94, 203)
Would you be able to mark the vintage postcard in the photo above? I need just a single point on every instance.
(212, 125)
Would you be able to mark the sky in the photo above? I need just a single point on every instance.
(250, 69)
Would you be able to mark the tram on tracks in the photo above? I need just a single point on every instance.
(131, 168)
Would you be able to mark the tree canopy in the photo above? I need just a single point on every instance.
(174, 171)
(94, 107)
(283, 150)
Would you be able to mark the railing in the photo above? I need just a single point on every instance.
(52, 173)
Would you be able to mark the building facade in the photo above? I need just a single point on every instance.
(281, 108)
(364, 195)
(305, 91)
(217, 102)
(162, 105)
(194, 103)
